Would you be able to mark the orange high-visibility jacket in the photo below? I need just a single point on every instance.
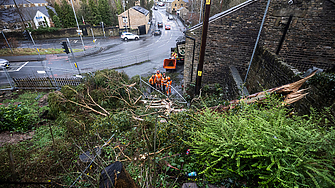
(158, 78)
(164, 81)
(151, 81)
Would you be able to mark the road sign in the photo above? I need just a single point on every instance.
(79, 31)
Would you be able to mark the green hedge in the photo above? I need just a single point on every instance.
(264, 147)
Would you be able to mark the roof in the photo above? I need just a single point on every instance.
(182, 8)
(37, 1)
(224, 13)
(11, 15)
(20, 2)
(11, 2)
(141, 10)
(169, 1)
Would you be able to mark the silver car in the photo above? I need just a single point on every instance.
(4, 63)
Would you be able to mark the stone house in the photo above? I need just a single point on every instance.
(168, 6)
(34, 14)
(182, 13)
(177, 4)
(135, 17)
(232, 35)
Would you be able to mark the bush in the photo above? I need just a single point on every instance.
(43, 30)
(264, 147)
(16, 118)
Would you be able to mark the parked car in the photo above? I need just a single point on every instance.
(160, 24)
(4, 63)
(129, 36)
(170, 17)
(167, 27)
(161, 4)
(156, 8)
(157, 32)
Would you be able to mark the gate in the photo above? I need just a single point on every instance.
(142, 30)
(84, 29)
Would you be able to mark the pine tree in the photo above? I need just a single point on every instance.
(94, 16)
(105, 12)
(67, 18)
(50, 12)
(59, 12)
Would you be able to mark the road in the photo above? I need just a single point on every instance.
(148, 53)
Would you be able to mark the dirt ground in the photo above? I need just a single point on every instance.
(7, 137)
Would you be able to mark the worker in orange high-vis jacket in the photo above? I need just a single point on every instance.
(152, 82)
(168, 86)
(164, 82)
(158, 78)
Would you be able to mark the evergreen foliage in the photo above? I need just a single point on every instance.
(264, 147)
(93, 15)
(58, 11)
(119, 8)
(50, 12)
(105, 12)
(67, 18)
(55, 18)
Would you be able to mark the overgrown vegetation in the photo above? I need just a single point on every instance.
(22, 113)
(258, 145)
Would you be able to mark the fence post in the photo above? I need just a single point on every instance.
(8, 77)
(54, 78)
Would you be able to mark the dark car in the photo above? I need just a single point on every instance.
(160, 24)
(157, 32)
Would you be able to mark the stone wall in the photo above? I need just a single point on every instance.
(230, 41)
(268, 71)
(310, 40)
(72, 32)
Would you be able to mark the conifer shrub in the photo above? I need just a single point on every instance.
(264, 147)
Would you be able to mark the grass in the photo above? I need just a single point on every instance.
(32, 51)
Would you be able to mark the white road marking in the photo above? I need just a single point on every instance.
(22, 66)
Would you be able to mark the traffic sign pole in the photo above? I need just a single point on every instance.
(74, 58)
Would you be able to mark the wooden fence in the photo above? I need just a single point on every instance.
(45, 83)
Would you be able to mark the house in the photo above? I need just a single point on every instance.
(34, 14)
(168, 6)
(177, 4)
(135, 18)
(182, 13)
(308, 42)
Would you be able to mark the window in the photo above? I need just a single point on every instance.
(17, 26)
(175, 5)
(5, 27)
(42, 23)
(181, 4)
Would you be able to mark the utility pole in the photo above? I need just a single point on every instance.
(203, 46)
(75, 16)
